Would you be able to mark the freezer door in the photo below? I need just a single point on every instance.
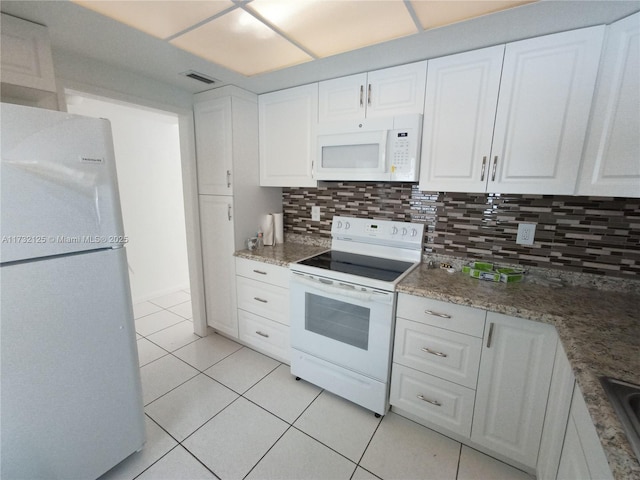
(70, 394)
(58, 189)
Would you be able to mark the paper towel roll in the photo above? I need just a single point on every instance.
(267, 229)
(278, 228)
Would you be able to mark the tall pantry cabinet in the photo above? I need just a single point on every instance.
(232, 204)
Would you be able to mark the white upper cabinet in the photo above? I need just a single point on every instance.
(288, 120)
(387, 92)
(213, 123)
(27, 65)
(543, 111)
(611, 162)
(541, 116)
(459, 114)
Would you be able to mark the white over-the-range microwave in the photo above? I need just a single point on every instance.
(383, 149)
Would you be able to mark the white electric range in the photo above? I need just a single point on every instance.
(343, 307)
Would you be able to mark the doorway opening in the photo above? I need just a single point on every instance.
(148, 162)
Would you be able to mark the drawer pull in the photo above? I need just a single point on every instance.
(433, 352)
(436, 314)
(262, 334)
(432, 402)
(261, 300)
(260, 272)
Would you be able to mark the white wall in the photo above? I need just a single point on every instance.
(147, 153)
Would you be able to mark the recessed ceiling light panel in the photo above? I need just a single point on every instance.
(329, 27)
(161, 19)
(241, 43)
(437, 13)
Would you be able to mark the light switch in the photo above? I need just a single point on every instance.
(315, 213)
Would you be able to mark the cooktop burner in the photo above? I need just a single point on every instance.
(362, 265)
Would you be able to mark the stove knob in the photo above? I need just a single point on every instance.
(414, 232)
(339, 224)
(347, 225)
(394, 230)
(404, 232)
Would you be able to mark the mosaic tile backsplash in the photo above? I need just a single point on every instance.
(598, 235)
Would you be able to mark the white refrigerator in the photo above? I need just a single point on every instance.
(70, 392)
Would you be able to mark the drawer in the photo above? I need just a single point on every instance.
(457, 318)
(263, 299)
(449, 355)
(432, 399)
(270, 338)
(263, 272)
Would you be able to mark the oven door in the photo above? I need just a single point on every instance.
(343, 323)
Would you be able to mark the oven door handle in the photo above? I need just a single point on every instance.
(334, 288)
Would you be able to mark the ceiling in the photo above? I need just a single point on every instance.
(252, 37)
(333, 38)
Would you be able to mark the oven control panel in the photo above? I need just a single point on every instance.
(379, 231)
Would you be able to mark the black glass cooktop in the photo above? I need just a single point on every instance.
(362, 265)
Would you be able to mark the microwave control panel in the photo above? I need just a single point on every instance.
(402, 154)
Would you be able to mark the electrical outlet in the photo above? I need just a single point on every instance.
(315, 213)
(526, 233)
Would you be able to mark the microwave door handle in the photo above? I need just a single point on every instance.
(335, 289)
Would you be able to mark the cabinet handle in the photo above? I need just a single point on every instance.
(262, 300)
(361, 96)
(484, 164)
(228, 178)
(490, 336)
(432, 402)
(369, 95)
(436, 314)
(229, 212)
(495, 164)
(262, 334)
(260, 272)
(433, 352)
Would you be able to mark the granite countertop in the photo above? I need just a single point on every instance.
(282, 254)
(599, 330)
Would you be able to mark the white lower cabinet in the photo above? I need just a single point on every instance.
(556, 418)
(436, 358)
(485, 385)
(443, 353)
(432, 399)
(267, 336)
(263, 307)
(513, 387)
(582, 453)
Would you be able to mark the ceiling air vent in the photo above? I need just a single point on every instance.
(199, 76)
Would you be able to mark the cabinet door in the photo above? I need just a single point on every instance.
(288, 120)
(590, 442)
(573, 464)
(611, 163)
(543, 111)
(396, 90)
(26, 55)
(459, 113)
(216, 223)
(556, 417)
(513, 386)
(342, 98)
(213, 124)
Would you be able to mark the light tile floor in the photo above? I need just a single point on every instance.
(217, 409)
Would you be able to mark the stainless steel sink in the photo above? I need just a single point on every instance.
(625, 398)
